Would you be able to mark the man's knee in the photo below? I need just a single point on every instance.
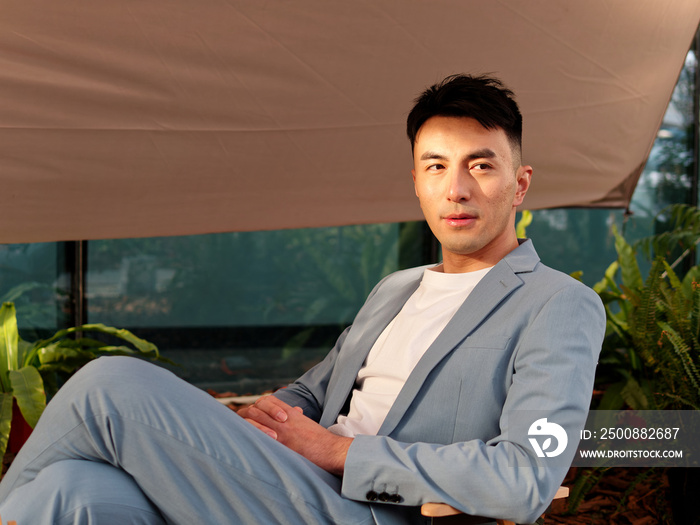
(107, 371)
(103, 383)
(116, 365)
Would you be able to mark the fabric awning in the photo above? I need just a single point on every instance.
(141, 118)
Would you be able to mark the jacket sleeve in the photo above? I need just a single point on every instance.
(554, 367)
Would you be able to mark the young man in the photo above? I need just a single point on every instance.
(428, 397)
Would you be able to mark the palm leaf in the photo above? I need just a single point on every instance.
(607, 283)
(64, 356)
(28, 389)
(9, 338)
(5, 420)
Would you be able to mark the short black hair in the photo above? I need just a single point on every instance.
(483, 98)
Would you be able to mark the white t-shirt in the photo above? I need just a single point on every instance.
(401, 345)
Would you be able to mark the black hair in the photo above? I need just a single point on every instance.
(482, 98)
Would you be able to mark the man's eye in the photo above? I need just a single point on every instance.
(434, 167)
(481, 166)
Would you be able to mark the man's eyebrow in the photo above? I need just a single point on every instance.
(485, 153)
(433, 155)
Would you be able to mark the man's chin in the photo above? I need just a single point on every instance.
(460, 249)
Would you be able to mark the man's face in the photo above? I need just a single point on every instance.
(468, 188)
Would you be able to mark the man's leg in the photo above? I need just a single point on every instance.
(193, 458)
(75, 492)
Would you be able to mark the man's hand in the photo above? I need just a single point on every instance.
(292, 428)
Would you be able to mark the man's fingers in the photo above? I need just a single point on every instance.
(243, 411)
(267, 413)
(262, 427)
(273, 407)
(261, 416)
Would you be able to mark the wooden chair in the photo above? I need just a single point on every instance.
(443, 514)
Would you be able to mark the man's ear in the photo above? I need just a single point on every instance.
(413, 174)
(523, 177)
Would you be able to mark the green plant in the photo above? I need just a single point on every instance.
(651, 355)
(681, 223)
(523, 223)
(652, 341)
(29, 371)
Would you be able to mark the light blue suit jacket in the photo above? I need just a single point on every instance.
(523, 346)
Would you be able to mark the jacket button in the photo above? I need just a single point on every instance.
(384, 497)
(395, 498)
(372, 496)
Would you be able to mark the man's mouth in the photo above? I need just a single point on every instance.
(460, 219)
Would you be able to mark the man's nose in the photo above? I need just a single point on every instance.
(459, 189)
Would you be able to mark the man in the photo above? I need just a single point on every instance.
(428, 397)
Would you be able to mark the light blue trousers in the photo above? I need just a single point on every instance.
(125, 442)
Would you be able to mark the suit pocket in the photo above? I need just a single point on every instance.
(452, 390)
(484, 367)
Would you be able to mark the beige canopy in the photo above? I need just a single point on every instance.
(132, 118)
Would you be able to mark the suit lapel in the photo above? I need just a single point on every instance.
(368, 325)
(494, 288)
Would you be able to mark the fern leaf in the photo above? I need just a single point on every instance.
(683, 230)
(634, 396)
(672, 277)
(643, 323)
(684, 353)
(681, 400)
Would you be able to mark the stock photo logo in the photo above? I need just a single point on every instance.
(543, 429)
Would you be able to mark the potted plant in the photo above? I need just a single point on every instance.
(29, 371)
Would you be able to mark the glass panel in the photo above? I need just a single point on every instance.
(33, 277)
(245, 311)
(573, 240)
